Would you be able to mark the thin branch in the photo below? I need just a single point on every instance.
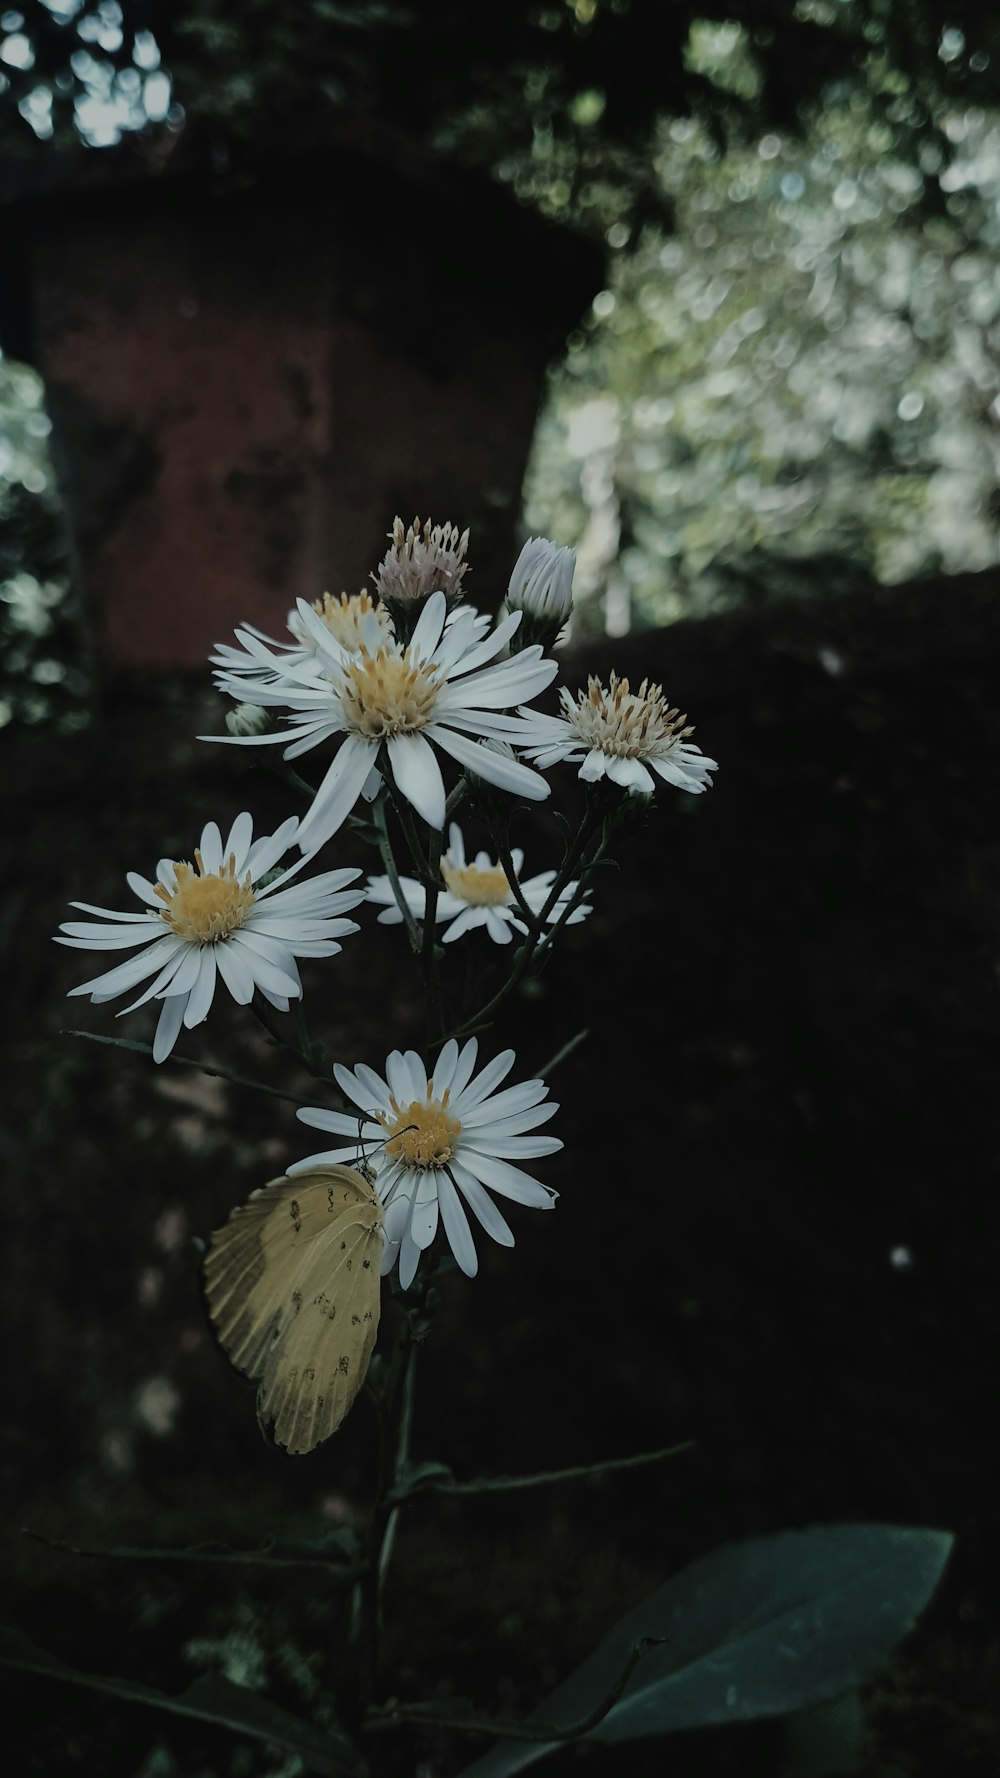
(562, 1055)
(514, 1730)
(503, 1484)
(267, 1557)
(388, 858)
(146, 1049)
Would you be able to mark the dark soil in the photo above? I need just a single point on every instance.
(777, 1234)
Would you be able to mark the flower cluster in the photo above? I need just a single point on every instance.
(395, 691)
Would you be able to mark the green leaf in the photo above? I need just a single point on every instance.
(210, 1699)
(756, 1629)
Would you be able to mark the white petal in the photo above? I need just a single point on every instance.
(337, 794)
(509, 1181)
(498, 926)
(464, 1067)
(594, 766)
(202, 994)
(141, 886)
(125, 975)
(631, 774)
(483, 1085)
(409, 1255)
(265, 973)
(466, 921)
(428, 628)
(236, 973)
(167, 1027)
(444, 1067)
(89, 935)
(456, 1227)
(211, 847)
(495, 768)
(238, 843)
(424, 1218)
(503, 1105)
(418, 776)
(482, 1205)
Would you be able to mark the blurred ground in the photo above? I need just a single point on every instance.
(777, 1233)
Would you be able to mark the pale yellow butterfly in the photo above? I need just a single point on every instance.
(292, 1285)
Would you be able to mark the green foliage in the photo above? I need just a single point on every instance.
(760, 1629)
(563, 96)
(211, 1699)
(41, 676)
(801, 382)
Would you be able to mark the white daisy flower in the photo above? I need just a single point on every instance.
(391, 706)
(475, 894)
(258, 654)
(210, 920)
(618, 734)
(451, 1141)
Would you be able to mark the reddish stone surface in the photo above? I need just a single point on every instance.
(245, 388)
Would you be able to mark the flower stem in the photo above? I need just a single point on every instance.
(388, 859)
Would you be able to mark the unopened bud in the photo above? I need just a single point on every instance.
(248, 719)
(541, 587)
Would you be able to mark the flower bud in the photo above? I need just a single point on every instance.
(541, 587)
(248, 719)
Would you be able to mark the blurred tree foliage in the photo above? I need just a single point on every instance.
(42, 675)
(562, 97)
(797, 389)
(778, 387)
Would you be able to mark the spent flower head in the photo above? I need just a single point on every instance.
(476, 893)
(620, 734)
(227, 915)
(421, 559)
(446, 1141)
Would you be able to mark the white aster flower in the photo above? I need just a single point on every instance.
(451, 1141)
(211, 919)
(259, 655)
(542, 581)
(345, 618)
(475, 894)
(390, 706)
(617, 734)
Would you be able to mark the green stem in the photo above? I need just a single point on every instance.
(512, 1729)
(505, 1484)
(389, 860)
(146, 1049)
(502, 843)
(266, 1022)
(524, 957)
(428, 960)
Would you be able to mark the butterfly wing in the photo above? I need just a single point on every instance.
(292, 1285)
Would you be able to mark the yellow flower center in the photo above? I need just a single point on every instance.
(344, 617)
(206, 906)
(480, 887)
(624, 723)
(423, 1134)
(386, 693)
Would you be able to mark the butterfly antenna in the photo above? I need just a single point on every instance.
(365, 1167)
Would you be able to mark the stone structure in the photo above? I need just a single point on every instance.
(249, 377)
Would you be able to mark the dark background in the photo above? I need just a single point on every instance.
(776, 1235)
(790, 990)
